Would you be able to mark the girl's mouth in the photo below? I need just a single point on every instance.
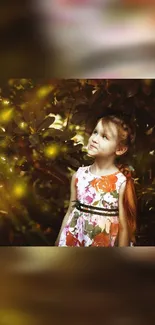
(93, 147)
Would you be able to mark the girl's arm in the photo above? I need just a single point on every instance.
(70, 208)
(123, 229)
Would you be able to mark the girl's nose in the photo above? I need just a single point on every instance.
(95, 138)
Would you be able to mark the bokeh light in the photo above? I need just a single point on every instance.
(19, 189)
(52, 151)
(44, 91)
(6, 115)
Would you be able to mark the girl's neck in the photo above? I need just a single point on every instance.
(103, 167)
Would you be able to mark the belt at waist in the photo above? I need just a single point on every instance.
(95, 210)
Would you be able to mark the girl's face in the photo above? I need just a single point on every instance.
(104, 140)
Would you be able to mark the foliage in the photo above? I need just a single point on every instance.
(44, 127)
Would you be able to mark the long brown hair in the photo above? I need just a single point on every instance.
(130, 201)
(127, 136)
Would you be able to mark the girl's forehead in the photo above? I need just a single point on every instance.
(108, 127)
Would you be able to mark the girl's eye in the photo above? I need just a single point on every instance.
(104, 136)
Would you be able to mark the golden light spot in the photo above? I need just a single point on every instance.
(52, 151)
(6, 115)
(3, 158)
(5, 102)
(2, 129)
(11, 82)
(44, 91)
(23, 125)
(71, 127)
(24, 81)
(32, 130)
(19, 190)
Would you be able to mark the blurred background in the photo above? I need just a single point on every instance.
(99, 38)
(78, 39)
(44, 129)
(42, 142)
(65, 285)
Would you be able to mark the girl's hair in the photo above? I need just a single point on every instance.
(126, 130)
(130, 201)
(126, 133)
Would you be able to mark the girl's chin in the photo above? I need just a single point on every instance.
(90, 153)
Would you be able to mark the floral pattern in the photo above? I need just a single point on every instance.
(104, 184)
(85, 229)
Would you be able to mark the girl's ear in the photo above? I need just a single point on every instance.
(121, 150)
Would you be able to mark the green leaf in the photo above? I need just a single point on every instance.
(88, 227)
(76, 214)
(17, 118)
(26, 115)
(40, 117)
(73, 162)
(46, 123)
(79, 118)
(34, 139)
(20, 131)
(97, 230)
(96, 202)
(73, 222)
(52, 133)
(114, 194)
(62, 94)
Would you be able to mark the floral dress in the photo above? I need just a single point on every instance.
(94, 220)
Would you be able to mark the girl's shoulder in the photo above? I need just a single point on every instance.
(121, 177)
(82, 169)
(83, 173)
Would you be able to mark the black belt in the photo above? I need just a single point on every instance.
(90, 209)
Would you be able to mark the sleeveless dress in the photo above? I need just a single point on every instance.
(94, 220)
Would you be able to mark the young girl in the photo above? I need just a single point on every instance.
(104, 209)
